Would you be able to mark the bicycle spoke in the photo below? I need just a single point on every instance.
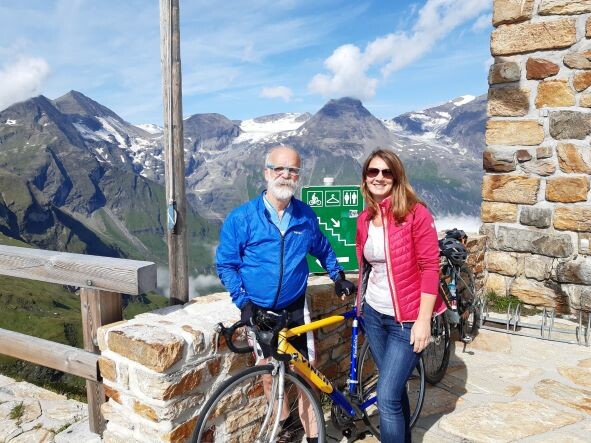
(242, 410)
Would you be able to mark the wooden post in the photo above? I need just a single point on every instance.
(174, 165)
(98, 308)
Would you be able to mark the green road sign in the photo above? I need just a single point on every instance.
(337, 208)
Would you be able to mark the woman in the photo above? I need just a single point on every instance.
(398, 254)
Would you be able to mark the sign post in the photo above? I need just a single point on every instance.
(337, 209)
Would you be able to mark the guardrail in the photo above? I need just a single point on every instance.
(101, 280)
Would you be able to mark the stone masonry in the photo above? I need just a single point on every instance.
(536, 209)
(160, 368)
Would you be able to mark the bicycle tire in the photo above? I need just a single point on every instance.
(368, 375)
(436, 355)
(239, 406)
(468, 302)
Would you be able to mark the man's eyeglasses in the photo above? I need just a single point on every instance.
(278, 170)
(374, 172)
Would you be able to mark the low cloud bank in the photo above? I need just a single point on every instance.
(198, 285)
(467, 223)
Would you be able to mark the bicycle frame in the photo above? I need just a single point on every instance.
(313, 374)
(443, 277)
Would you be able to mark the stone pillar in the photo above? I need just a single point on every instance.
(536, 208)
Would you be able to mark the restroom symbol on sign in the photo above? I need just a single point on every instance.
(350, 198)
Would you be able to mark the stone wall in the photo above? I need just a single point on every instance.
(536, 209)
(160, 367)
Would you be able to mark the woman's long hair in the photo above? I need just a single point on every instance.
(402, 195)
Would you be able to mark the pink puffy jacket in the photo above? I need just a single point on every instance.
(412, 260)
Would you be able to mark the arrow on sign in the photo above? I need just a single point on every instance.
(335, 223)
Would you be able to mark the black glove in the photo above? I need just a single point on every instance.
(247, 312)
(342, 286)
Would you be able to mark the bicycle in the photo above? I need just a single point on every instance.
(239, 410)
(456, 287)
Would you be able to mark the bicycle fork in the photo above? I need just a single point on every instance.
(275, 403)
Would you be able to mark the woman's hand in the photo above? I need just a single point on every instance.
(420, 334)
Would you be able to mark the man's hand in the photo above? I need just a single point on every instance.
(343, 287)
(247, 312)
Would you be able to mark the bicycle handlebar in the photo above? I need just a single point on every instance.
(227, 333)
(268, 337)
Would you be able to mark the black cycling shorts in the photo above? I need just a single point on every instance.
(299, 314)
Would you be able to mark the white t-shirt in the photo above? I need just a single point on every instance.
(378, 290)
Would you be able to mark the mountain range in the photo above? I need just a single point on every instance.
(77, 177)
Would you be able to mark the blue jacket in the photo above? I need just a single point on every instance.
(256, 263)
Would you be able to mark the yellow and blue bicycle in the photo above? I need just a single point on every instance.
(287, 399)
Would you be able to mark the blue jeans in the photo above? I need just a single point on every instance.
(390, 346)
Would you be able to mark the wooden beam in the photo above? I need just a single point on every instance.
(85, 271)
(174, 164)
(48, 353)
(98, 308)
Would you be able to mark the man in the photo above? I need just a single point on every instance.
(261, 258)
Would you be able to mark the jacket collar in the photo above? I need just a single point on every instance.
(296, 213)
(386, 203)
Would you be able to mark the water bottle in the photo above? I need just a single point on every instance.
(452, 293)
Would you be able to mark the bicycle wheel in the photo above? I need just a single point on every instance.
(436, 355)
(239, 410)
(469, 305)
(367, 373)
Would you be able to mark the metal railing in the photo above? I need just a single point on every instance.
(547, 327)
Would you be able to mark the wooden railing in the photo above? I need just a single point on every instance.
(101, 280)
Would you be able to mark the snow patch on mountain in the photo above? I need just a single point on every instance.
(463, 100)
(141, 151)
(150, 128)
(259, 129)
(391, 125)
(110, 126)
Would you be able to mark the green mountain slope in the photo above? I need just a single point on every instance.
(52, 312)
(65, 190)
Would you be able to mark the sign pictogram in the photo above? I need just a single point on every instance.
(337, 209)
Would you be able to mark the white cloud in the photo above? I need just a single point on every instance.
(22, 79)
(483, 22)
(348, 77)
(282, 92)
(198, 285)
(349, 66)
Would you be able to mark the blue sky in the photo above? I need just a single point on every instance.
(247, 58)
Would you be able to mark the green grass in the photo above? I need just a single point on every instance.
(17, 412)
(145, 303)
(62, 428)
(112, 232)
(52, 312)
(9, 241)
(499, 304)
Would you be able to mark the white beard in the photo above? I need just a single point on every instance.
(282, 189)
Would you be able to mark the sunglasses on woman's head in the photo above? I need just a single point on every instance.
(374, 172)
